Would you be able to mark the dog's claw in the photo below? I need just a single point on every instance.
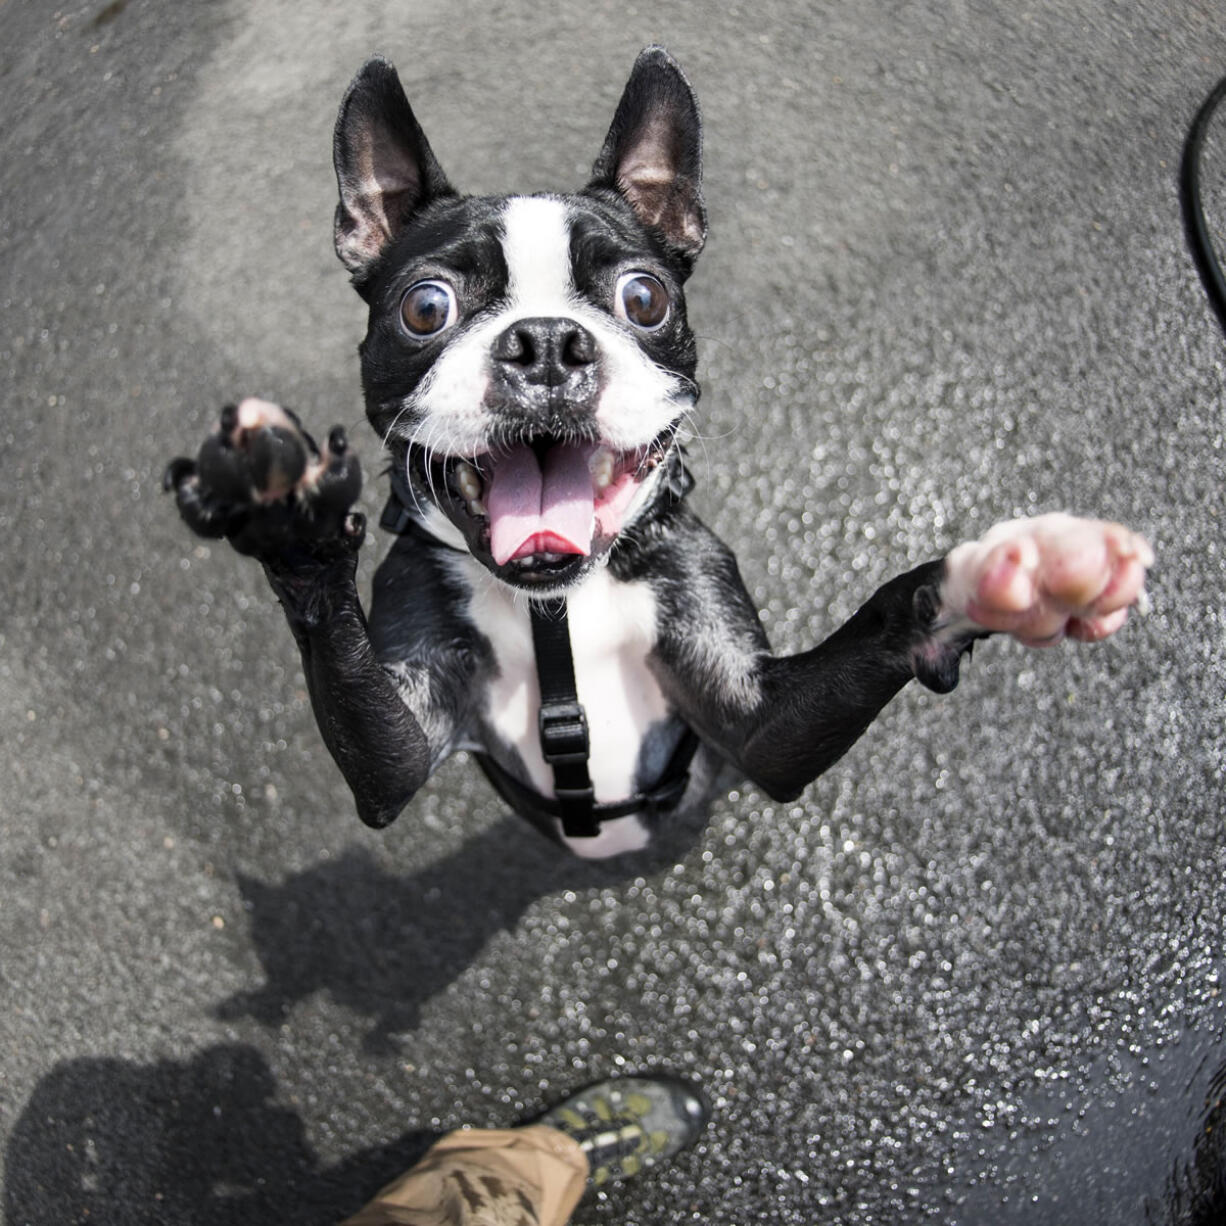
(177, 471)
(227, 423)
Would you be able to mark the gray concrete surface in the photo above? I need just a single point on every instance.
(973, 976)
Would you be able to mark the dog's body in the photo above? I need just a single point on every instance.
(528, 365)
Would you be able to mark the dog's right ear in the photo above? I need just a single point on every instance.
(652, 155)
(385, 168)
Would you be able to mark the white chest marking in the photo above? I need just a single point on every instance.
(612, 628)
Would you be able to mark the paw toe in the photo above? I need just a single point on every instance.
(224, 470)
(1006, 583)
(1093, 629)
(252, 413)
(1124, 587)
(1076, 571)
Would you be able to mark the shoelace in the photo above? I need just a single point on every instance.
(617, 1145)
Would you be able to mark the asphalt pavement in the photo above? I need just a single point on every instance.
(972, 976)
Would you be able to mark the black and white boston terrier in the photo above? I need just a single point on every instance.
(551, 603)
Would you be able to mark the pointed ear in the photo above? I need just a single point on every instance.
(385, 169)
(652, 155)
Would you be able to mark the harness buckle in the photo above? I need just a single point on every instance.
(564, 736)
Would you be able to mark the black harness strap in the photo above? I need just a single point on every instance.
(562, 720)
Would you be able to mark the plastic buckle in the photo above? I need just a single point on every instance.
(563, 728)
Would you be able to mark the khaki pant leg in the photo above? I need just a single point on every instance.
(531, 1176)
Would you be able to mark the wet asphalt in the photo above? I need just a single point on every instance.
(972, 976)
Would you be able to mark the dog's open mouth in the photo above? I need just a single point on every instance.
(542, 505)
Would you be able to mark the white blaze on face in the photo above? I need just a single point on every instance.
(536, 247)
(634, 402)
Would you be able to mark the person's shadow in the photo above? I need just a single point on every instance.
(383, 945)
(203, 1142)
(194, 1143)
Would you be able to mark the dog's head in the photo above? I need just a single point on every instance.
(528, 361)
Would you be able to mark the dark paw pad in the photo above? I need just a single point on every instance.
(260, 480)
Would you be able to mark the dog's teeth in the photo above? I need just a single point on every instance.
(601, 465)
(476, 507)
(468, 481)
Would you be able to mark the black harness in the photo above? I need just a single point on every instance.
(565, 743)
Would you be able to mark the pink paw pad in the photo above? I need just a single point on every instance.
(1048, 578)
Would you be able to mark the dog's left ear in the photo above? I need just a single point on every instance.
(385, 167)
(652, 155)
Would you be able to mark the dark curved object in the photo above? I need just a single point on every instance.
(1195, 227)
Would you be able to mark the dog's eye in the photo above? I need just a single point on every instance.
(641, 300)
(428, 307)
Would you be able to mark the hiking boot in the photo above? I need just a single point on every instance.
(627, 1124)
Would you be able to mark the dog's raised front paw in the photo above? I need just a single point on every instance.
(1047, 578)
(261, 481)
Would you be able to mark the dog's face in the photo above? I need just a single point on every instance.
(528, 361)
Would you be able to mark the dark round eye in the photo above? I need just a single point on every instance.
(642, 300)
(428, 307)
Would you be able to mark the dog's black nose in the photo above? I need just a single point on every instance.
(550, 351)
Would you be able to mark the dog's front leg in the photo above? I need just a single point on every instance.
(368, 729)
(261, 482)
(784, 720)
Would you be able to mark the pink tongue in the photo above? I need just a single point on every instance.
(535, 510)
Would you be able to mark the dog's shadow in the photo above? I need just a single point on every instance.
(383, 945)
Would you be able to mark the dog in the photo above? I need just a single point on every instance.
(551, 603)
